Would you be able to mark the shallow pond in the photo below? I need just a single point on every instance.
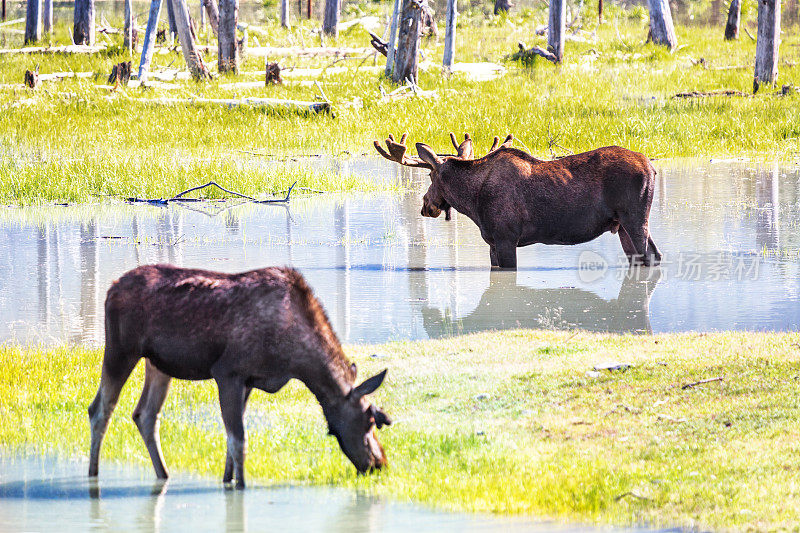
(39, 494)
(728, 231)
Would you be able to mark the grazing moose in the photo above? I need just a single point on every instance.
(255, 329)
(517, 200)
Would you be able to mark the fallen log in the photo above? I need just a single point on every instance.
(528, 55)
(12, 22)
(65, 49)
(298, 51)
(56, 76)
(704, 94)
(259, 103)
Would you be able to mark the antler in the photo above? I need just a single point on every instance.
(506, 143)
(397, 152)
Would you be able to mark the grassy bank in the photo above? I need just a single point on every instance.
(499, 422)
(613, 88)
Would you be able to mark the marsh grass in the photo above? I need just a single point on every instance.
(497, 422)
(612, 89)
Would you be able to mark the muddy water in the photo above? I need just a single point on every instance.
(39, 494)
(728, 231)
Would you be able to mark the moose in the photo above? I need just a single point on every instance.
(251, 330)
(517, 200)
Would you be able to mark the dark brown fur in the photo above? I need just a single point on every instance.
(256, 329)
(517, 200)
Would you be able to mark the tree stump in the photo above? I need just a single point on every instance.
(32, 78)
(767, 42)
(556, 28)
(120, 74)
(273, 76)
(732, 26)
(407, 55)
(662, 30)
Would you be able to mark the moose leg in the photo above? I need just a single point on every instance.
(627, 245)
(232, 394)
(228, 475)
(493, 256)
(506, 253)
(653, 249)
(640, 235)
(146, 414)
(117, 367)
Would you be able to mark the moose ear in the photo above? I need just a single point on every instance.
(427, 154)
(370, 385)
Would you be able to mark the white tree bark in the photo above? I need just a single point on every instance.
(450, 34)
(767, 42)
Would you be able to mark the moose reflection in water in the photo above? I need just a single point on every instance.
(507, 305)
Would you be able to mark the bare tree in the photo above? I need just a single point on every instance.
(407, 55)
(83, 27)
(228, 47)
(330, 22)
(450, 34)
(556, 28)
(33, 21)
(732, 26)
(662, 31)
(767, 43)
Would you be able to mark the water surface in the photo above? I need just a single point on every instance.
(43, 494)
(728, 231)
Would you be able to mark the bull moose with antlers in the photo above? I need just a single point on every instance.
(253, 330)
(517, 200)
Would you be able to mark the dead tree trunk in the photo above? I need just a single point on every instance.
(149, 39)
(767, 43)
(662, 31)
(213, 15)
(391, 45)
(127, 39)
(83, 28)
(450, 34)
(228, 49)
(3, 10)
(501, 6)
(556, 28)
(33, 21)
(406, 59)
(285, 13)
(309, 8)
(732, 26)
(47, 17)
(599, 11)
(330, 22)
(194, 60)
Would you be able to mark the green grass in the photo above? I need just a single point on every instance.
(505, 423)
(612, 89)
